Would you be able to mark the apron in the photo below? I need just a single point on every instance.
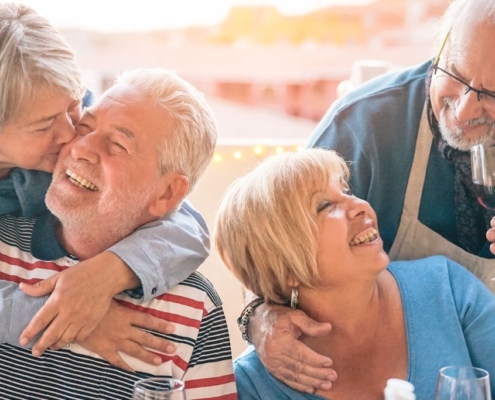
(415, 240)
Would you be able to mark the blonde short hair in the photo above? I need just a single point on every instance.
(33, 54)
(189, 149)
(266, 231)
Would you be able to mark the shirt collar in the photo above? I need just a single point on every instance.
(45, 245)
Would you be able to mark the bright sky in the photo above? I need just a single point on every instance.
(121, 15)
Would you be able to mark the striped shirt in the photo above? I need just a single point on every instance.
(202, 359)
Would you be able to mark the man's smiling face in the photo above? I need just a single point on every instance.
(107, 176)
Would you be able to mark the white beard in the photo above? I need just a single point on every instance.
(455, 137)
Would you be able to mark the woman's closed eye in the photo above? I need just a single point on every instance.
(322, 206)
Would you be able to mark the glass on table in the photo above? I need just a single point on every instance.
(159, 389)
(463, 383)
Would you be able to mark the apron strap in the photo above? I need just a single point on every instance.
(414, 190)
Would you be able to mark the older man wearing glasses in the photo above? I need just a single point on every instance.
(408, 136)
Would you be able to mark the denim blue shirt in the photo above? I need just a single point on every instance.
(449, 317)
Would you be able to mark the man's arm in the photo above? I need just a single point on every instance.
(161, 254)
(16, 310)
(165, 252)
(274, 331)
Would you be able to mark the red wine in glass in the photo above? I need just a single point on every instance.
(485, 195)
(483, 172)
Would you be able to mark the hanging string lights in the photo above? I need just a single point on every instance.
(226, 153)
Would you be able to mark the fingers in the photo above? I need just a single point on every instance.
(41, 288)
(490, 234)
(54, 338)
(117, 361)
(39, 322)
(146, 339)
(150, 322)
(309, 326)
(303, 377)
(137, 351)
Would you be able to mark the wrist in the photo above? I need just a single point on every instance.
(122, 277)
(243, 320)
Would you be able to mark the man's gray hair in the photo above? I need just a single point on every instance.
(189, 148)
(33, 54)
(457, 15)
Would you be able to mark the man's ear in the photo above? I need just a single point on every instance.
(170, 190)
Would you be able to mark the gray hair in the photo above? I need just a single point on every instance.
(458, 10)
(189, 149)
(32, 54)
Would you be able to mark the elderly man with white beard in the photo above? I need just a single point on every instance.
(138, 152)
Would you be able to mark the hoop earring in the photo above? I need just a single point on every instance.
(294, 298)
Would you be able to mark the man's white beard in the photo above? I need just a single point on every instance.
(455, 137)
(105, 222)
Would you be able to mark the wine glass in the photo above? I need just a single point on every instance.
(463, 383)
(159, 389)
(483, 172)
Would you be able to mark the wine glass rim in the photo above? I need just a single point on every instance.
(483, 373)
(484, 145)
(180, 384)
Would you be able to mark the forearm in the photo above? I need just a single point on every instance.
(16, 310)
(165, 252)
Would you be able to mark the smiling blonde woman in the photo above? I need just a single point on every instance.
(291, 229)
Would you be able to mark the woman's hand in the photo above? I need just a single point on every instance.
(80, 297)
(274, 331)
(119, 330)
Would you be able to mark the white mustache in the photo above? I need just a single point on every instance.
(449, 102)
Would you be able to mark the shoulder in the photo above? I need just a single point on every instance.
(203, 287)
(387, 86)
(432, 268)
(398, 96)
(252, 379)
(436, 274)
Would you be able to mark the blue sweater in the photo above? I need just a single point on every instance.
(450, 320)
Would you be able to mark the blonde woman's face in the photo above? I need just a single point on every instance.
(349, 244)
(34, 138)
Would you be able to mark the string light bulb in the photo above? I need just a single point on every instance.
(258, 150)
(217, 157)
(279, 150)
(238, 155)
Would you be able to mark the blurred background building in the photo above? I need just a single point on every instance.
(269, 78)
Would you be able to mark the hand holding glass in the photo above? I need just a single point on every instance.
(159, 389)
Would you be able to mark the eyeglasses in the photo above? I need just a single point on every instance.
(457, 84)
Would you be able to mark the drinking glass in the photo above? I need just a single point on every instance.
(463, 383)
(483, 172)
(159, 389)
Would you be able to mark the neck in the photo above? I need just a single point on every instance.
(354, 310)
(82, 244)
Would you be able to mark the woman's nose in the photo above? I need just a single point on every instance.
(65, 131)
(358, 208)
